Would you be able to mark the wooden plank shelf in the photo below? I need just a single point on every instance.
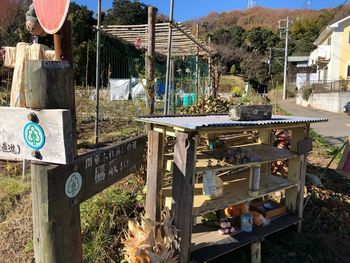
(235, 192)
(208, 244)
(268, 153)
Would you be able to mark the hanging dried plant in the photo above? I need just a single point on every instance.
(151, 242)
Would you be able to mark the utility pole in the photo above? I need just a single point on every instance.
(286, 28)
(167, 77)
(251, 3)
(98, 69)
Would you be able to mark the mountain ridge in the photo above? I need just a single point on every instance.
(263, 17)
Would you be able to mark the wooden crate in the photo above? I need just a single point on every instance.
(280, 209)
(251, 112)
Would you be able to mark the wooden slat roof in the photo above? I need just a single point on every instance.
(184, 43)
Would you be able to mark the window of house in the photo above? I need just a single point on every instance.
(348, 71)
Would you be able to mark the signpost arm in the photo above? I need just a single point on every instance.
(55, 239)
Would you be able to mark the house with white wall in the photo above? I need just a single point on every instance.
(332, 56)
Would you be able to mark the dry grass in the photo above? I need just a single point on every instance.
(227, 82)
(16, 233)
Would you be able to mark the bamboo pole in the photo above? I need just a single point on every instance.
(167, 79)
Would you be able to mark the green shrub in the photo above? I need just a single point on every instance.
(306, 93)
(236, 91)
(233, 70)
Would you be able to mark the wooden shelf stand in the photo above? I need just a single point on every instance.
(184, 196)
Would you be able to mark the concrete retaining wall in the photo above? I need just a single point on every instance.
(333, 102)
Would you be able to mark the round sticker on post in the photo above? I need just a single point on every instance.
(73, 185)
(34, 136)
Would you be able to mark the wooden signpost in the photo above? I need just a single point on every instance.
(61, 189)
(48, 137)
(44, 136)
(93, 172)
(58, 190)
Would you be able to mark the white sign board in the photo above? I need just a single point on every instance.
(45, 136)
(209, 182)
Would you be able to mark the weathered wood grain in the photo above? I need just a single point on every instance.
(49, 85)
(235, 192)
(53, 235)
(296, 173)
(255, 252)
(57, 126)
(98, 169)
(154, 175)
(183, 189)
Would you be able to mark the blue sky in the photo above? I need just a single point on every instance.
(188, 9)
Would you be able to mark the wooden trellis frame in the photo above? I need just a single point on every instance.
(184, 43)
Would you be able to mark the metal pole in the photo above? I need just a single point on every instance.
(167, 77)
(197, 66)
(87, 65)
(286, 62)
(173, 95)
(98, 69)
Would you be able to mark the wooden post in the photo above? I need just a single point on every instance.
(63, 43)
(167, 76)
(24, 168)
(49, 85)
(154, 174)
(173, 84)
(216, 86)
(265, 137)
(296, 173)
(87, 65)
(255, 252)
(209, 71)
(183, 188)
(151, 57)
(197, 66)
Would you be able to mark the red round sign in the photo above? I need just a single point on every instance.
(51, 14)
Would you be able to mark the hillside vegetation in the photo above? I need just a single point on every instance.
(265, 17)
(250, 44)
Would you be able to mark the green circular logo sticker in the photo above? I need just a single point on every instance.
(73, 185)
(34, 136)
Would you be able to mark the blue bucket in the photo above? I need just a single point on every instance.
(186, 100)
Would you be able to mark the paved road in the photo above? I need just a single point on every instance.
(336, 130)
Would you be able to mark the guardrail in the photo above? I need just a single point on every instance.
(328, 87)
